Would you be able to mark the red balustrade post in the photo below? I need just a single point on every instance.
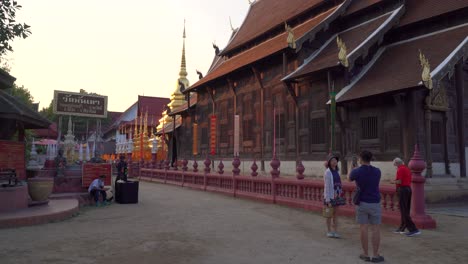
(418, 203)
(184, 165)
(236, 163)
(254, 169)
(275, 164)
(221, 168)
(166, 168)
(207, 170)
(300, 170)
(195, 165)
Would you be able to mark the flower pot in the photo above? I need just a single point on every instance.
(40, 188)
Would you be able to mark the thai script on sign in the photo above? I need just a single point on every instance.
(77, 104)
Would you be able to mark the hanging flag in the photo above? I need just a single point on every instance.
(213, 135)
(236, 135)
(195, 140)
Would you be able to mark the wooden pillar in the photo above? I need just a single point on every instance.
(445, 142)
(428, 117)
(258, 77)
(460, 114)
(20, 131)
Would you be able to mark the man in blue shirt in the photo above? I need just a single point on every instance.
(96, 188)
(369, 211)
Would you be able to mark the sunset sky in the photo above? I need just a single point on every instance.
(117, 48)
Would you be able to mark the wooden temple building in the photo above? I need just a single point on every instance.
(312, 76)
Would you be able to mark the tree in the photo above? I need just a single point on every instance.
(22, 94)
(9, 28)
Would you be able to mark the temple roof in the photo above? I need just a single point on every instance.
(260, 18)
(358, 5)
(154, 105)
(6, 80)
(12, 108)
(261, 51)
(50, 132)
(357, 39)
(418, 10)
(397, 67)
(185, 106)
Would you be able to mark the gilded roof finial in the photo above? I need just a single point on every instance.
(426, 70)
(343, 53)
(291, 39)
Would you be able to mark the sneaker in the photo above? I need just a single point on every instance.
(398, 231)
(413, 233)
(377, 259)
(330, 235)
(336, 235)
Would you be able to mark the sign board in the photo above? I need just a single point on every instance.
(92, 171)
(77, 104)
(12, 156)
(213, 135)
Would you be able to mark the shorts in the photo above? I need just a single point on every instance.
(369, 213)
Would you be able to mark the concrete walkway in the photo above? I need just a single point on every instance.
(178, 225)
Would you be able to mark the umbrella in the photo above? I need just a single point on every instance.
(45, 142)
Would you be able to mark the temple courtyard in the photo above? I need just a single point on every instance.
(178, 225)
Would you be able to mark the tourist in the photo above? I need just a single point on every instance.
(368, 211)
(403, 185)
(97, 188)
(332, 194)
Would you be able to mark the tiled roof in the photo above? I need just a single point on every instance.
(417, 10)
(261, 51)
(265, 15)
(12, 108)
(6, 80)
(328, 57)
(358, 5)
(154, 105)
(50, 132)
(398, 67)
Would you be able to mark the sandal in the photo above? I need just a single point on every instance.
(377, 259)
(364, 257)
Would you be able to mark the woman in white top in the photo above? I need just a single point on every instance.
(331, 191)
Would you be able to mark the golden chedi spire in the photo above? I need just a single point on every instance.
(177, 98)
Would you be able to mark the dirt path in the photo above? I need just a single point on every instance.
(177, 225)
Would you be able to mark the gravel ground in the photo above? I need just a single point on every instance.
(178, 225)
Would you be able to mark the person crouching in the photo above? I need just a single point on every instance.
(97, 188)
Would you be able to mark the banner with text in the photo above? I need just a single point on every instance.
(213, 135)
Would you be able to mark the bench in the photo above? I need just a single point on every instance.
(8, 175)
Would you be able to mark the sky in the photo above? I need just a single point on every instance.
(117, 48)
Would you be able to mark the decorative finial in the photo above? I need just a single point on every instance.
(426, 71)
(200, 75)
(291, 39)
(230, 22)
(343, 54)
(216, 48)
(184, 29)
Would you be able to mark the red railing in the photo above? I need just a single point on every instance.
(306, 194)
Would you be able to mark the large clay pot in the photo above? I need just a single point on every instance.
(40, 188)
